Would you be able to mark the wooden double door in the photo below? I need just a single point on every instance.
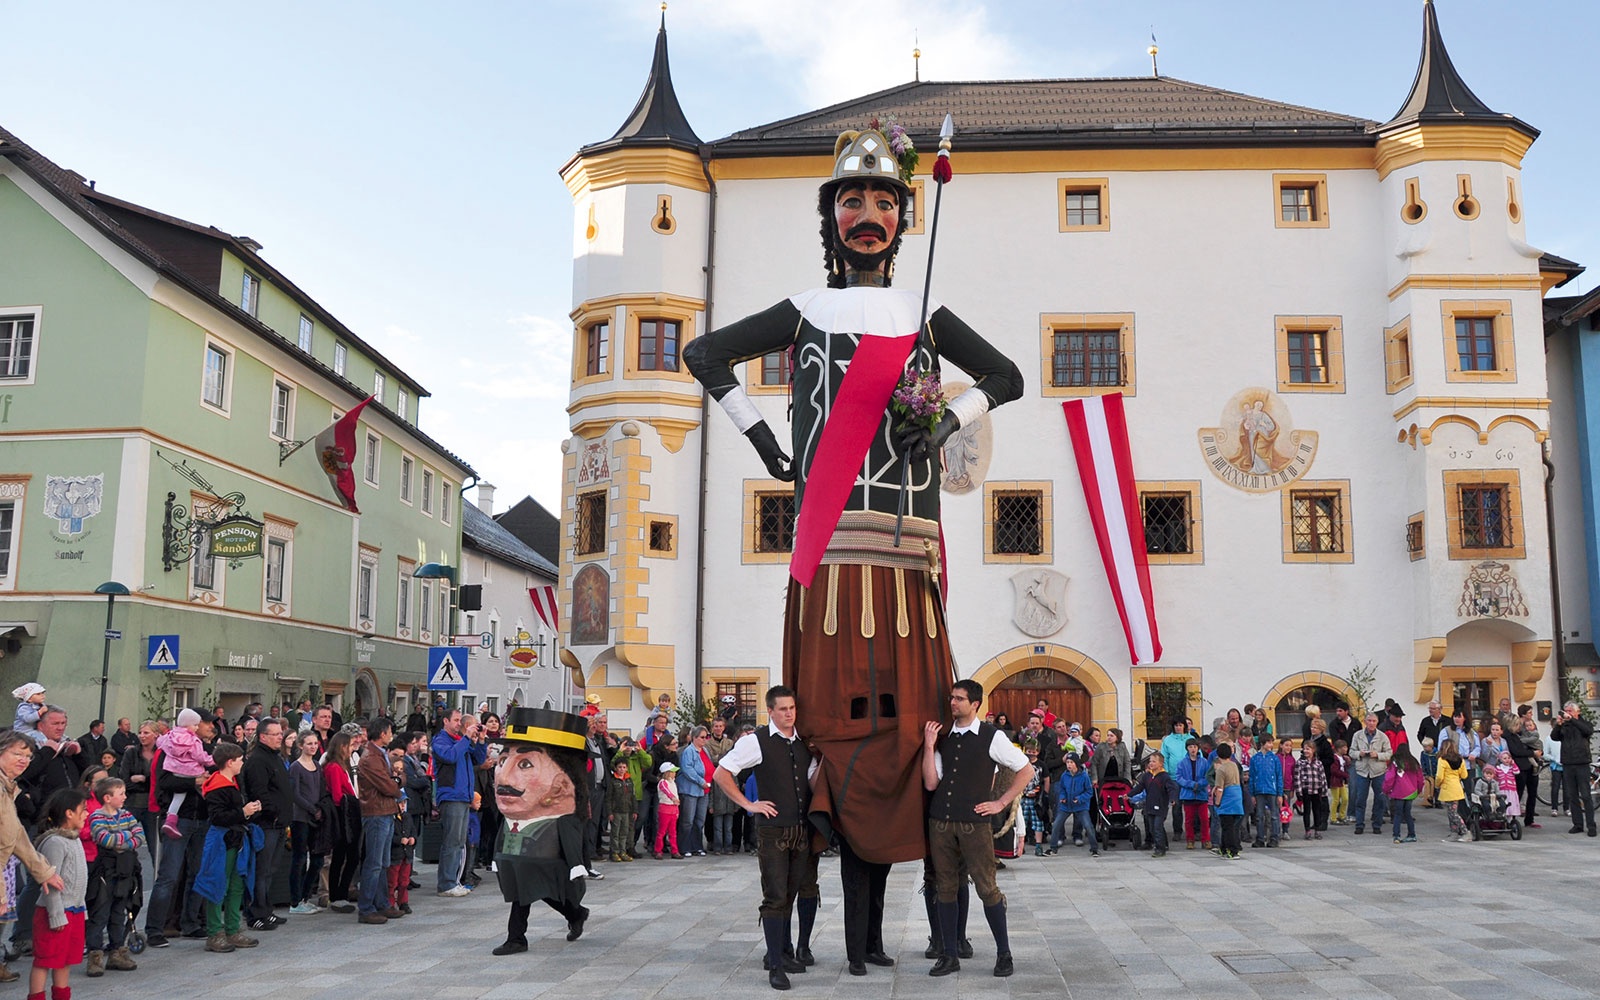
(1018, 694)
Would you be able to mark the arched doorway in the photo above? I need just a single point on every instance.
(1018, 694)
(1066, 673)
(366, 702)
(1286, 702)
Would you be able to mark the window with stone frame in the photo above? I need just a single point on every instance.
(1018, 522)
(744, 693)
(775, 521)
(1486, 521)
(1167, 523)
(1087, 358)
(591, 522)
(1163, 702)
(1317, 521)
(658, 344)
(777, 368)
(597, 348)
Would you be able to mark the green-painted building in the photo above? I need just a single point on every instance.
(152, 374)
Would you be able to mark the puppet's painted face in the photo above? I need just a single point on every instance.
(529, 785)
(867, 216)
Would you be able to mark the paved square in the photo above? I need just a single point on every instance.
(1345, 917)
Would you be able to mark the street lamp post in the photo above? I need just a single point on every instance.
(440, 571)
(112, 590)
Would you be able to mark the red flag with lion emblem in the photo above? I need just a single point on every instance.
(336, 450)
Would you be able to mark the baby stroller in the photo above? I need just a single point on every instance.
(120, 874)
(1489, 816)
(1116, 815)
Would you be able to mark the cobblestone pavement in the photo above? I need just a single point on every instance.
(1347, 917)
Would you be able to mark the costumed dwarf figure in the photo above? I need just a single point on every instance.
(784, 766)
(540, 788)
(866, 646)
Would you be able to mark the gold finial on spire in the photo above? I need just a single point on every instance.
(663, 6)
(1153, 50)
(916, 57)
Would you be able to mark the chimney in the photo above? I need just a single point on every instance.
(486, 498)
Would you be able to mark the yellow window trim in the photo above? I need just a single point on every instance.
(671, 520)
(1044, 488)
(920, 209)
(582, 321)
(1318, 183)
(1332, 328)
(1052, 323)
(670, 313)
(753, 489)
(1190, 488)
(1505, 354)
(1420, 520)
(1509, 480)
(1084, 185)
(1342, 488)
(1140, 677)
(1399, 363)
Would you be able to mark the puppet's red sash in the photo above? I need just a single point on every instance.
(854, 419)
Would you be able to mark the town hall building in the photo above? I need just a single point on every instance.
(1327, 329)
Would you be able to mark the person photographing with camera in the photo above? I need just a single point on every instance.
(1574, 732)
(458, 749)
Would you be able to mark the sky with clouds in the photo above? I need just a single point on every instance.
(399, 160)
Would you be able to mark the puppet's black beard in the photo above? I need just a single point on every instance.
(858, 261)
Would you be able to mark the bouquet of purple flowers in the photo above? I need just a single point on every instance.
(918, 400)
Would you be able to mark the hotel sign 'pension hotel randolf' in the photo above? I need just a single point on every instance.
(1329, 336)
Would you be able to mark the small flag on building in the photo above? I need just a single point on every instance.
(544, 603)
(336, 450)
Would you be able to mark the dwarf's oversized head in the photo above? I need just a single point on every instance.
(541, 773)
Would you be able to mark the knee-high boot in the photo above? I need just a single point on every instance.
(996, 915)
(935, 936)
(807, 909)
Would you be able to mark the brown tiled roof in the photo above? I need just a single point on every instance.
(101, 211)
(1052, 114)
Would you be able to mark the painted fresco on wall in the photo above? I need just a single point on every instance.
(1491, 591)
(591, 607)
(594, 465)
(1257, 448)
(966, 454)
(72, 500)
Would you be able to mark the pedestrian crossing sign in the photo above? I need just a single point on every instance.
(447, 668)
(163, 650)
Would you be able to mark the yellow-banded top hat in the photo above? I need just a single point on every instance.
(545, 727)
(866, 155)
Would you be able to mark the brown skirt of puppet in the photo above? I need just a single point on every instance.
(868, 655)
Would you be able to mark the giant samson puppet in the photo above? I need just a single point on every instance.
(866, 645)
(540, 788)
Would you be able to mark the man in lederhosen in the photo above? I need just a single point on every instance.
(540, 787)
(866, 644)
(959, 771)
(783, 767)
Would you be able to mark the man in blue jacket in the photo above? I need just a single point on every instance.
(458, 749)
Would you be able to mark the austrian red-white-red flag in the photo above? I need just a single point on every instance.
(336, 451)
(544, 604)
(1099, 433)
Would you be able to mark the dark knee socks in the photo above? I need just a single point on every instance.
(996, 915)
(808, 918)
(963, 904)
(775, 929)
(948, 921)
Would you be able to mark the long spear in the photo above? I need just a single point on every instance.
(941, 174)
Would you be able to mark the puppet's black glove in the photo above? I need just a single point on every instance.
(779, 465)
(922, 443)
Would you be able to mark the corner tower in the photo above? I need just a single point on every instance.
(631, 474)
(1465, 369)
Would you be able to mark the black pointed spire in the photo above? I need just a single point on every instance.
(1439, 95)
(658, 119)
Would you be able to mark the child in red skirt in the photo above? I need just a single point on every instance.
(58, 922)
